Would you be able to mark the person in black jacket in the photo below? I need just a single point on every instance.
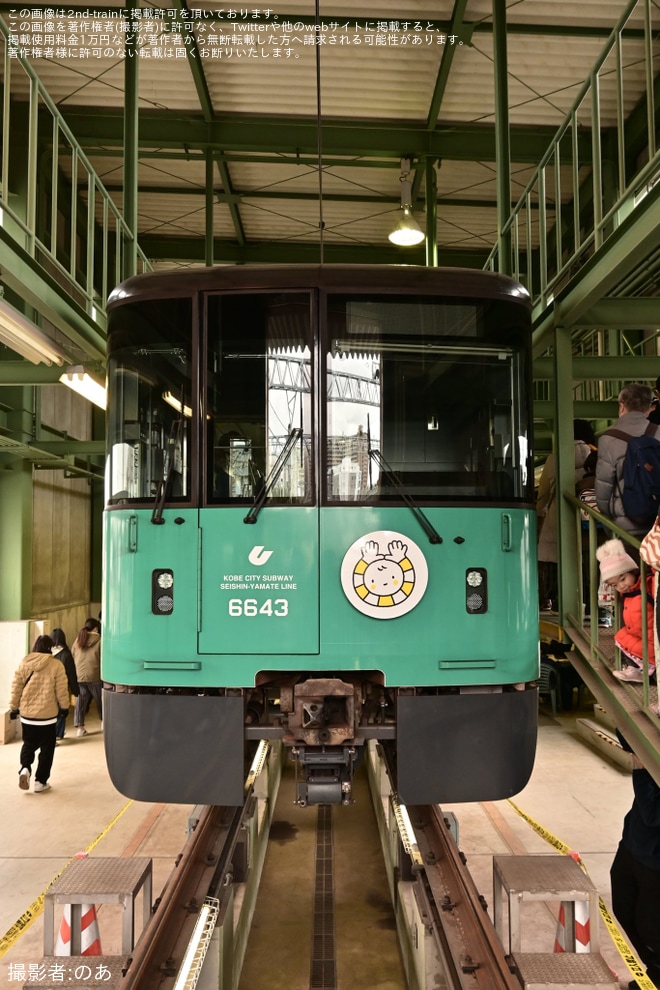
(654, 415)
(63, 653)
(635, 871)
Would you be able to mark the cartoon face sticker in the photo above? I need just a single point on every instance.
(384, 575)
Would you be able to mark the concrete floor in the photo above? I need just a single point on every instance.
(575, 793)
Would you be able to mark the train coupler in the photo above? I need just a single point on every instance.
(324, 775)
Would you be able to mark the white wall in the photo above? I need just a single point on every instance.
(16, 639)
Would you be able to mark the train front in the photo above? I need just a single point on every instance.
(320, 529)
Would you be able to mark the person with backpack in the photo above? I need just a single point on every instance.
(628, 466)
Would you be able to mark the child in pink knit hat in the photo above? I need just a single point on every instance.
(620, 572)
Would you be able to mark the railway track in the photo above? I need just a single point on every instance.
(203, 873)
(464, 938)
(199, 891)
(451, 913)
(447, 926)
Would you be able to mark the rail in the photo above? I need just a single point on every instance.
(448, 937)
(199, 895)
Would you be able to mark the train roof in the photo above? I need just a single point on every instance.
(460, 282)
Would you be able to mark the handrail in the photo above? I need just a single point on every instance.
(590, 631)
(553, 267)
(67, 224)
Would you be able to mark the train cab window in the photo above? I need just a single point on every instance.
(258, 398)
(424, 397)
(150, 412)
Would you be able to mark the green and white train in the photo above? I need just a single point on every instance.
(319, 528)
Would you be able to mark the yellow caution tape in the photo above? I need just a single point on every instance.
(626, 953)
(32, 913)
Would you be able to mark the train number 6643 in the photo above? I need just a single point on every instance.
(250, 607)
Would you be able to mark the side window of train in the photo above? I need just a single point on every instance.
(424, 399)
(151, 403)
(258, 403)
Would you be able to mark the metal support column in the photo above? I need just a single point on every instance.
(16, 534)
(569, 599)
(502, 144)
(208, 242)
(431, 188)
(131, 117)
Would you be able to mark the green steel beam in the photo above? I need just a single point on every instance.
(194, 61)
(587, 409)
(21, 273)
(431, 187)
(292, 252)
(225, 178)
(457, 27)
(637, 313)
(601, 369)
(16, 540)
(209, 210)
(502, 142)
(102, 129)
(131, 119)
(238, 196)
(24, 373)
(72, 448)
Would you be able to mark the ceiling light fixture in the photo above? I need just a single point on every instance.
(22, 336)
(407, 232)
(86, 384)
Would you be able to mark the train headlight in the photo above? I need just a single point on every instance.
(476, 590)
(162, 592)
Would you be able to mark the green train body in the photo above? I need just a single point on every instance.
(310, 549)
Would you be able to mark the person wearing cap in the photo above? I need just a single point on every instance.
(635, 870)
(620, 572)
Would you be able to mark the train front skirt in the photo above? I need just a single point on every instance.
(189, 749)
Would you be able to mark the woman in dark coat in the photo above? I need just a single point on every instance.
(63, 653)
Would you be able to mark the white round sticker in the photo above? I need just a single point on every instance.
(384, 574)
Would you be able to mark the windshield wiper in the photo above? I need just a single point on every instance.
(168, 467)
(392, 476)
(275, 472)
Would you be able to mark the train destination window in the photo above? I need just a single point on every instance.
(258, 398)
(423, 396)
(150, 412)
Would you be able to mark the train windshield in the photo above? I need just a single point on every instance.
(258, 398)
(151, 401)
(424, 396)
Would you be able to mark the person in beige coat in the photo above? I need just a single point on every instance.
(86, 652)
(39, 691)
(546, 511)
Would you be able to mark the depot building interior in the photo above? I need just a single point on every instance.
(519, 137)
